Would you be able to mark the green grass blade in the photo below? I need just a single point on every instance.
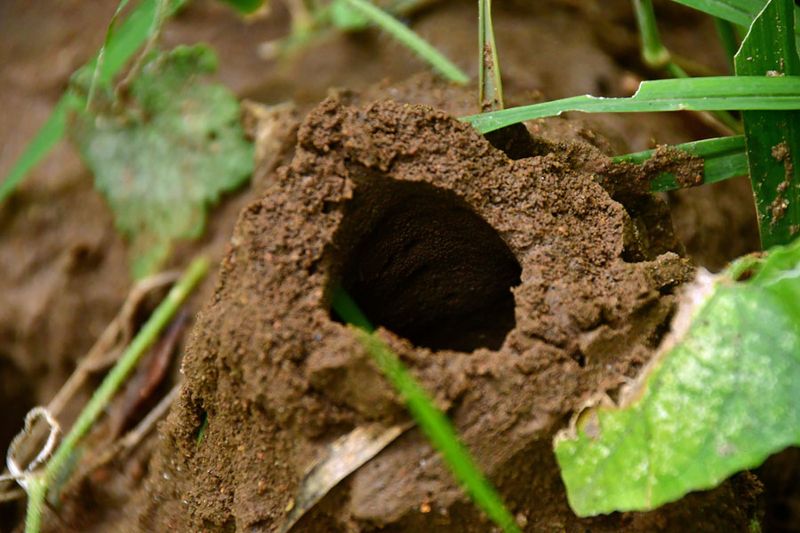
(741, 12)
(121, 45)
(46, 138)
(411, 40)
(693, 94)
(727, 37)
(773, 138)
(132, 33)
(654, 53)
(144, 339)
(431, 420)
(723, 158)
(490, 85)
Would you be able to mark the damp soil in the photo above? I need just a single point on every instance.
(402, 203)
(568, 284)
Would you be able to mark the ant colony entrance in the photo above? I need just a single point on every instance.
(420, 262)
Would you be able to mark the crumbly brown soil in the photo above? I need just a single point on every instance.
(64, 270)
(405, 206)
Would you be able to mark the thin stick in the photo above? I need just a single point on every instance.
(105, 352)
(410, 39)
(38, 485)
(99, 352)
(654, 53)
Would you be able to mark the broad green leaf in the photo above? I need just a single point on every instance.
(433, 422)
(772, 137)
(720, 397)
(120, 45)
(168, 154)
(693, 94)
(723, 158)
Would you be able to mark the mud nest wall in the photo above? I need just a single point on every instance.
(434, 232)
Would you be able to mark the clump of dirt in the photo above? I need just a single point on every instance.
(687, 169)
(418, 216)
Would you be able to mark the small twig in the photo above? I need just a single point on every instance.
(103, 353)
(135, 436)
(38, 484)
(151, 372)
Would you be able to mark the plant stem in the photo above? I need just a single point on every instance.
(434, 424)
(411, 40)
(38, 485)
(654, 53)
(490, 85)
(656, 56)
(101, 55)
(37, 490)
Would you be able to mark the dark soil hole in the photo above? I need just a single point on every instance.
(420, 262)
(515, 141)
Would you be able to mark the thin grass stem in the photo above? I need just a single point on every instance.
(490, 84)
(656, 56)
(435, 424)
(654, 53)
(39, 484)
(411, 40)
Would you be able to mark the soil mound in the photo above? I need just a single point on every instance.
(515, 291)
